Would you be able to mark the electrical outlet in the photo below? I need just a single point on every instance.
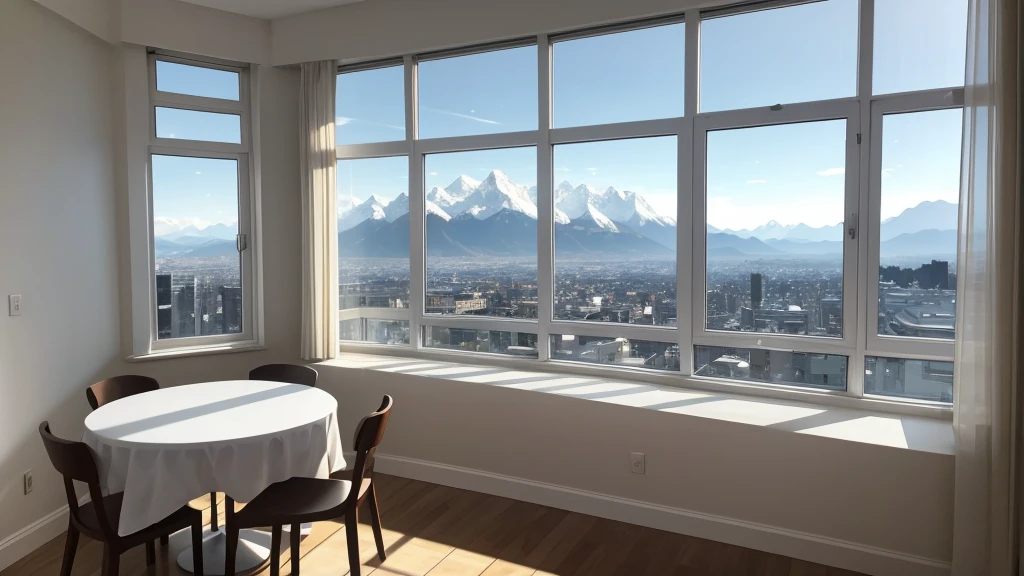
(28, 482)
(637, 463)
(14, 304)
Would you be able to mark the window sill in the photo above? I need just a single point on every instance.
(860, 424)
(233, 348)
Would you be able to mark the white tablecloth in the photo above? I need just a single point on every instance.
(168, 447)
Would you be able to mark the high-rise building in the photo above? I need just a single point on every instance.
(163, 306)
(184, 320)
(231, 309)
(755, 290)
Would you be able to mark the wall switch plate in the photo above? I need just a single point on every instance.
(28, 482)
(14, 304)
(637, 463)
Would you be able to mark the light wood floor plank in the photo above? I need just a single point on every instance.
(432, 530)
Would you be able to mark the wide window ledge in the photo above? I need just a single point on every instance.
(185, 352)
(904, 431)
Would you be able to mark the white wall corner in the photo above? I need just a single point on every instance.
(102, 18)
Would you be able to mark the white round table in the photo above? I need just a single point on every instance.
(168, 447)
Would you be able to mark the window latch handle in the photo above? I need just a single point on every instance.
(851, 230)
(241, 242)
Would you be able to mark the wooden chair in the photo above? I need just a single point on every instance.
(106, 391)
(300, 500)
(118, 387)
(100, 518)
(288, 373)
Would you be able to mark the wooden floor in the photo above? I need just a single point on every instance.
(442, 531)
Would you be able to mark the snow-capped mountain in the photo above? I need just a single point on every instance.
(394, 210)
(590, 215)
(440, 197)
(495, 193)
(371, 209)
(631, 208)
(175, 230)
(458, 190)
(576, 202)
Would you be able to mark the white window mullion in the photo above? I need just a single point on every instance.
(689, 220)
(417, 239)
(545, 202)
(865, 67)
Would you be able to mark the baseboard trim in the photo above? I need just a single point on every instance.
(24, 541)
(802, 545)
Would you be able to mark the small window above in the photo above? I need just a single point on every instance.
(919, 44)
(196, 81)
(181, 124)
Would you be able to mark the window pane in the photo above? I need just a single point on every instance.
(370, 106)
(194, 125)
(615, 231)
(919, 44)
(635, 75)
(918, 379)
(919, 211)
(771, 366)
(196, 80)
(796, 54)
(775, 198)
(616, 351)
(373, 233)
(470, 340)
(393, 332)
(482, 234)
(479, 94)
(198, 267)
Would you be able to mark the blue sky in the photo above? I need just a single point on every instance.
(790, 174)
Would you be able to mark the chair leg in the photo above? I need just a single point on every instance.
(70, 547)
(296, 533)
(214, 523)
(275, 550)
(352, 535)
(231, 550)
(111, 561)
(165, 540)
(197, 547)
(150, 553)
(378, 536)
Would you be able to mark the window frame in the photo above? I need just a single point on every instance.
(862, 113)
(146, 341)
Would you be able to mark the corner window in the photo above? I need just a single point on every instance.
(200, 190)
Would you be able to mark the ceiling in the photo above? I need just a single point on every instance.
(269, 9)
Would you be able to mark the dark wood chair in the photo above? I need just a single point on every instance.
(301, 500)
(287, 373)
(106, 391)
(100, 518)
(118, 387)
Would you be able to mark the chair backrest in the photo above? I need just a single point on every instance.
(119, 387)
(368, 437)
(287, 373)
(74, 461)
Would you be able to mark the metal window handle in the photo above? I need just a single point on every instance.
(241, 242)
(851, 230)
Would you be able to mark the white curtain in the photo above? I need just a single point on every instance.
(988, 308)
(317, 158)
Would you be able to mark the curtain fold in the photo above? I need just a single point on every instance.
(318, 158)
(986, 412)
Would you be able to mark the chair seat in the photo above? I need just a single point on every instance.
(347, 475)
(112, 505)
(296, 500)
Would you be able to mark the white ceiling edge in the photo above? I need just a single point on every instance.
(270, 9)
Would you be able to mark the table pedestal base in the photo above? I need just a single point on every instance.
(253, 552)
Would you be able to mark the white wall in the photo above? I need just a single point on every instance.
(64, 247)
(184, 27)
(877, 509)
(57, 242)
(381, 28)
